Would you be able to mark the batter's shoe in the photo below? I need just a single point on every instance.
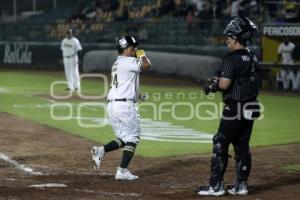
(208, 190)
(124, 174)
(97, 156)
(241, 189)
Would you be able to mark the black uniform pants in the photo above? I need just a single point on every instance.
(234, 129)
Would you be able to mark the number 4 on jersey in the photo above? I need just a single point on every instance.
(114, 77)
(115, 80)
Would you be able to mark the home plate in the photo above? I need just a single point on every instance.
(49, 185)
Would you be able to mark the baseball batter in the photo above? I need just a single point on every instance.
(70, 47)
(122, 108)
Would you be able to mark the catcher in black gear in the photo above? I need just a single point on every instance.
(238, 82)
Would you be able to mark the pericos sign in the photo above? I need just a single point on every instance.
(17, 53)
(281, 31)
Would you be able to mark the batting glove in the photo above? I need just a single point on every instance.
(140, 53)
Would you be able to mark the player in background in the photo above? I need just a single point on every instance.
(285, 50)
(70, 46)
(122, 108)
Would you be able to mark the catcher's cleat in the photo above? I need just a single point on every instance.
(241, 189)
(97, 156)
(124, 174)
(208, 190)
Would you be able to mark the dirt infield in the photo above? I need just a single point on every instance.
(65, 159)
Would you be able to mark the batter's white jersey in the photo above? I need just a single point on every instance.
(286, 52)
(125, 78)
(122, 109)
(70, 47)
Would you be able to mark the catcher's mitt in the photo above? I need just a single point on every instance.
(211, 85)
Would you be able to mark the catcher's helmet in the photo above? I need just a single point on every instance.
(241, 28)
(126, 41)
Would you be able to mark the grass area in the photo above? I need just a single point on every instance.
(293, 168)
(27, 95)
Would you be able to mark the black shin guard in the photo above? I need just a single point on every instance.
(128, 153)
(113, 145)
(243, 168)
(219, 161)
(218, 167)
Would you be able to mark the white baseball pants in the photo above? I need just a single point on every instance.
(125, 120)
(72, 72)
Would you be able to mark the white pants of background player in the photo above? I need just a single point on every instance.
(125, 120)
(72, 72)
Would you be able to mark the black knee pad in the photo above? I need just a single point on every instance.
(242, 154)
(245, 157)
(220, 145)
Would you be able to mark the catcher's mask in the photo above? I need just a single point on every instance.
(125, 42)
(242, 29)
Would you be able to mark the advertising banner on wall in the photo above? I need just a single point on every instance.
(29, 55)
(17, 53)
(281, 51)
(274, 35)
